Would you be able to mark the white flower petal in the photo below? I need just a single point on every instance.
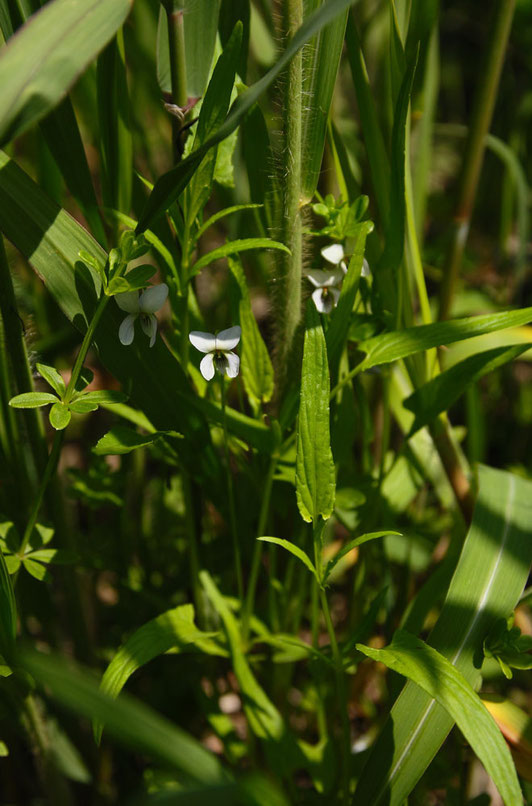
(233, 365)
(207, 366)
(366, 271)
(322, 303)
(126, 331)
(335, 295)
(128, 301)
(149, 326)
(333, 253)
(153, 298)
(227, 339)
(343, 266)
(318, 278)
(204, 342)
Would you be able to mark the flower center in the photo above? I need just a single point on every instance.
(220, 362)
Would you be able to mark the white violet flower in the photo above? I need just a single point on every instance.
(218, 351)
(326, 295)
(142, 306)
(335, 254)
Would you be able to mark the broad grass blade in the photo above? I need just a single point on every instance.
(412, 658)
(63, 38)
(170, 186)
(315, 477)
(174, 629)
(130, 722)
(398, 344)
(489, 578)
(63, 138)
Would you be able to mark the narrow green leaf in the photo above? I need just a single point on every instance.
(170, 186)
(315, 479)
(121, 439)
(264, 719)
(442, 391)
(321, 58)
(373, 136)
(234, 247)
(213, 111)
(132, 723)
(236, 208)
(255, 364)
(171, 630)
(350, 545)
(412, 658)
(53, 378)
(32, 400)
(55, 556)
(296, 551)
(116, 140)
(109, 396)
(390, 260)
(388, 347)
(487, 583)
(341, 316)
(63, 38)
(8, 611)
(59, 416)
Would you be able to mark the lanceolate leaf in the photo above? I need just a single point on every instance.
(389, 347)
(352, 544)
(63, 38)
(296, 551)
(174, 629)
(315, 480)
(413, 659)
(130, 722)
(442, 391)
(169, 186)
(486, 586)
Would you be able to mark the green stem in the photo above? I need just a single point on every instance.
(192, 541)
(257, 551)
(288, 297)
(49, 471)
(84, 349)
(178, 65)
(339, 669)
(232, 514)
(474, 150)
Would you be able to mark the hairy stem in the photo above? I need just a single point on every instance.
(288, 293)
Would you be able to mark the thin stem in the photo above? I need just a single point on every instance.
(232, 514)
(474, 150)
(178, 65)
(192, 544)
(84, 349)
(339, 669)
(49, 471)
(257, 550)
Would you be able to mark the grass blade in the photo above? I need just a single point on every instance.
(412, 658)
(63, 38)
(488, 580)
